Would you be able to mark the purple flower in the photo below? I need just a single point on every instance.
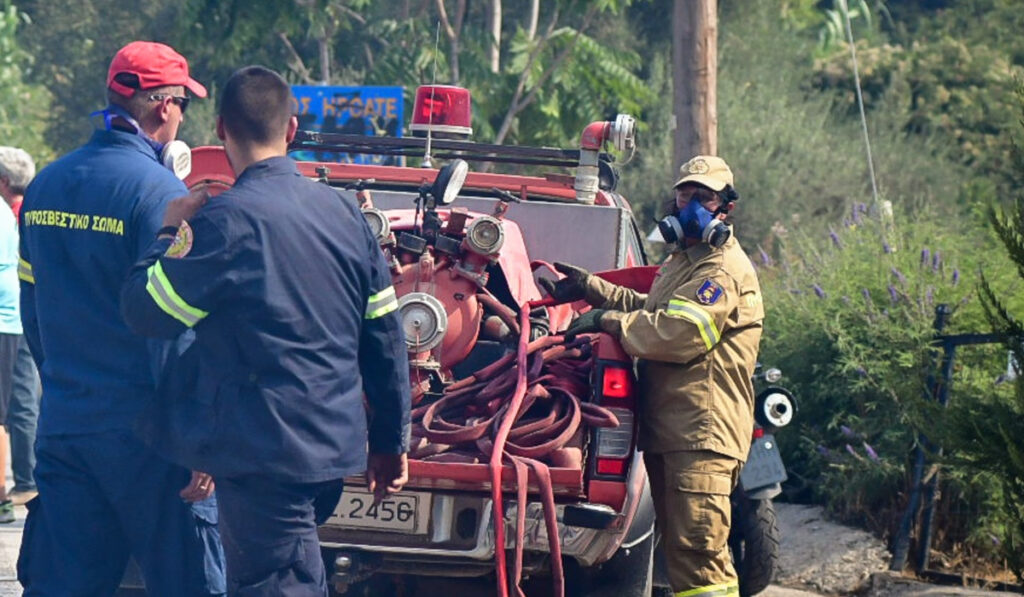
(899, 276)
(847, 432)
(894, 295)
(886, 248)
(823, 450)
(818, 291)
(870, 452)
(928, 295)
(925, 257)
(853, 452)
(861, 371)
(835, 238)
(936, 261)
(867, 295)
(860, 208)
(956, 277)
(765, 259)
(855, 212)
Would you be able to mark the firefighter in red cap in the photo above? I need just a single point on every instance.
(695, 337)
(103, 494)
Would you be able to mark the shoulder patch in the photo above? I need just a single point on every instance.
(709, 292)
(182, 242)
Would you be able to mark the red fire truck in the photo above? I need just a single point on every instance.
(466, 248)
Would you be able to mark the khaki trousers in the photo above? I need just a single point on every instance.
(691, 501)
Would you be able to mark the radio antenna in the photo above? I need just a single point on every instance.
(428, 161)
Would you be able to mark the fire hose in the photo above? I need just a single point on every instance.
(477, 411)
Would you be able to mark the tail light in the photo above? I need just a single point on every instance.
(614, 446)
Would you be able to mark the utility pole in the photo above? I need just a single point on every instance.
(694, 75)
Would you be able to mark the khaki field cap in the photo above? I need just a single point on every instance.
(708, 170)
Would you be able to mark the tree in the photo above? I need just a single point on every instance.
(549, 83)
(988, 433)
(695, 69)
(23, 106)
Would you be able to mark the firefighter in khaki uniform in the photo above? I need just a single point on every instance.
(695, 337)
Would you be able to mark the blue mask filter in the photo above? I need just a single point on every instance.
(693, 219)
(695, 222)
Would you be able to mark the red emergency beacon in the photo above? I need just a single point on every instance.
(444, 110)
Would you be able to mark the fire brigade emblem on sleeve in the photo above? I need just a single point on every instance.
(709, 292)
(182, 242)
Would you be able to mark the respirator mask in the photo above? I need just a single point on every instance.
(696, 222)
(176, 155)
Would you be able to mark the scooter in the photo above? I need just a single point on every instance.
(754, 534)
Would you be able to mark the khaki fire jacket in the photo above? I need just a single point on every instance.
(695, 336)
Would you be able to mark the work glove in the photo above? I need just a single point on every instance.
(584, 324)
(572, 287)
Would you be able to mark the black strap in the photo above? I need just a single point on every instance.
(172, 230)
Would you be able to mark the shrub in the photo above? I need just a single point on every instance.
(850, 323)
(987, 431)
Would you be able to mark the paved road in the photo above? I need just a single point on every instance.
(10, 541)
(881, 585)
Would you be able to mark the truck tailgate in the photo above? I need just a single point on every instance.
(477, 477)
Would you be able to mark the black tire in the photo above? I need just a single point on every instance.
(754, 541)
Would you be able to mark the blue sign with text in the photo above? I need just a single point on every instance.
(349, 109)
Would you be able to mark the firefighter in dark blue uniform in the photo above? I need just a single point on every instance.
(295, 319)
(86, 219)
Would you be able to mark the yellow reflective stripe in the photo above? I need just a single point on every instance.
(25, 271)
(382, 303)
(699, 317)
(711, 591)
(159, 287)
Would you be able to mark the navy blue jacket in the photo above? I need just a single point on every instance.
(295, 318)
(86, 219)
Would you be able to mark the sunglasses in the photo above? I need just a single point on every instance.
(182, 101)
(702, 194)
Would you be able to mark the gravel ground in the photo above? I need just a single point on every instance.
(820, 557)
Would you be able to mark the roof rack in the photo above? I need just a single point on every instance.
(440, 148)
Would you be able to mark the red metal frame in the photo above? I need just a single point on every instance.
(209, 163)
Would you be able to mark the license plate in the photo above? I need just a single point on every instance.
(764, 464)
(406, 512)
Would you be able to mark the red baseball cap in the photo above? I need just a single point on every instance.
(155, 64)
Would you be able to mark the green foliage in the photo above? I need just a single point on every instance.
(23, 106)
(363, 42)
(793, 152)
(987, 432)
(648, 179)
(72, 45)
(850, 322)
(943, 87)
